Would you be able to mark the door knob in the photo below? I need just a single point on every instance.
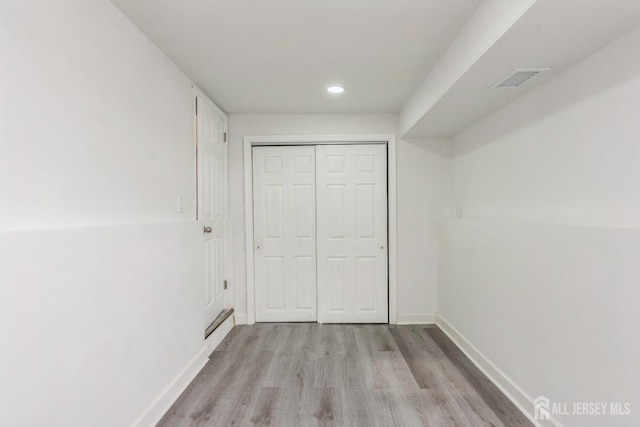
(207, 229)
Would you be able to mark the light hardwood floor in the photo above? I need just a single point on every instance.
(341, 375)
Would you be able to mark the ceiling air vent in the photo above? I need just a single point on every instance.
(518, 77)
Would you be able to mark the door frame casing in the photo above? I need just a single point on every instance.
(258, 140)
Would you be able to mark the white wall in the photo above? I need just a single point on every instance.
(567, 151)
(426, 161)
(543, 278)
(554, 307)
(423, 189)
(96, 321)
(98, 122)
(100, 298)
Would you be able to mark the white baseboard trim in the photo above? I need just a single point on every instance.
(161, 405)
(241, 319)
(510, 389)
(416, 319)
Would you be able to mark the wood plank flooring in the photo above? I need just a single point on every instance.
(305, 374)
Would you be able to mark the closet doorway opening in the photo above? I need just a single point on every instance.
(320, 228)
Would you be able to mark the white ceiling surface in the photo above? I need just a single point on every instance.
(552, 33)
(278, 56)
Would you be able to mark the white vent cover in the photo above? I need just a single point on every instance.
(518, 77)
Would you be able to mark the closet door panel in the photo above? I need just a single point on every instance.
(351, 189)
(284, 203)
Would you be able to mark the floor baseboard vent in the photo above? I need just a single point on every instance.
(221, 318)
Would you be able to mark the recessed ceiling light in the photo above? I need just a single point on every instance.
(335, 89)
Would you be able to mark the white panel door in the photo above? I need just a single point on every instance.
(212, 172)
(352, 233)
(284, 233)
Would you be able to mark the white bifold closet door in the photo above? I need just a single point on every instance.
(284, 203)
(340, 193)
(351, 195)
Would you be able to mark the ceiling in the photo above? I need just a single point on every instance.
(431, 61)
(552, 33)
(279, 56)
